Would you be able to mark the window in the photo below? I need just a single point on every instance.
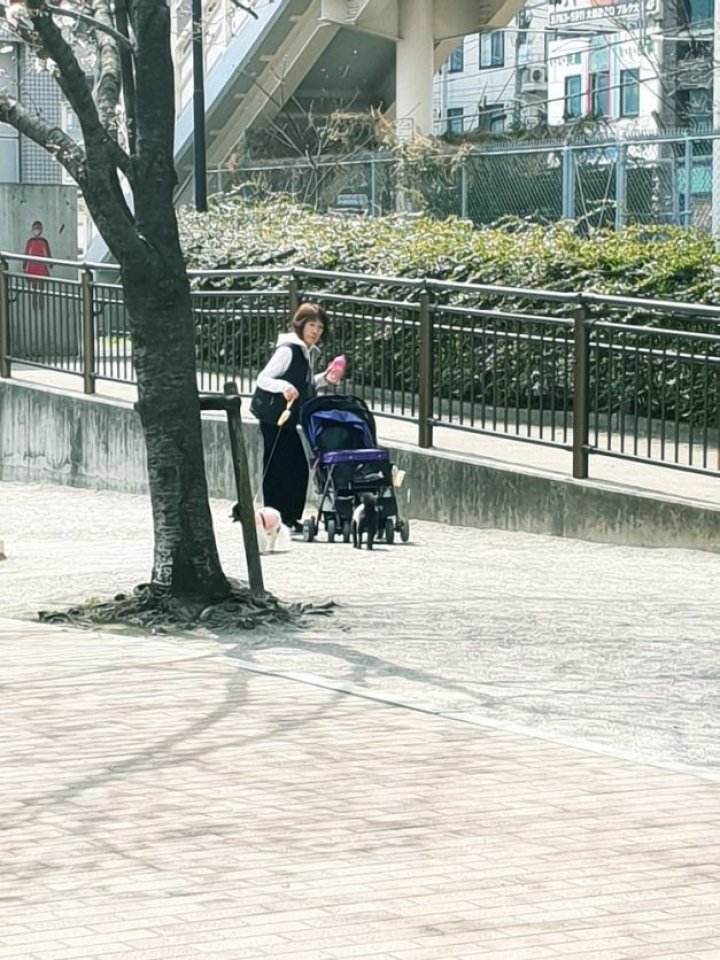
(456, 64)
(694, 52)
(696, 13)
(497, 123)
(600, 93)
(9, 139)
(629, 92)
(573, 97)
(455, 120)
(492, 49)
(492, 117)
(9, 160)
(694, 108)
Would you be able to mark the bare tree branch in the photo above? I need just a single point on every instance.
(94, 22)
(70, 75)
(95, 165)
(18, 25)
(109, 86)
(105, 200)
(127, 75)
(66, 151)
(99, 144)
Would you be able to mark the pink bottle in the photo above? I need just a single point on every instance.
(336, 369)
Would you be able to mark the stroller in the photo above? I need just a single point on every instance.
(340, 442)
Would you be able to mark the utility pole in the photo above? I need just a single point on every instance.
(520, 37)
(199, 108)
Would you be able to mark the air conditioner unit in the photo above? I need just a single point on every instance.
(534, 78)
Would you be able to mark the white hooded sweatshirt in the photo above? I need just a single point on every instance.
(271, 376)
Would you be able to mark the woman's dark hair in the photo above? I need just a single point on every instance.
(306, 312)
(37, 223)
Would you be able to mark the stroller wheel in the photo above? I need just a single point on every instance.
(346, 531)
(404, 530)
(389, 530)
(331, 530)
(309, 530)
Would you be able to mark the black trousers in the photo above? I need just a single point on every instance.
(286, 471)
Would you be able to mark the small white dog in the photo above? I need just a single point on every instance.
(272, 536)
(271, 533)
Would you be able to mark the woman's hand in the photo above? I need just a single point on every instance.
(290, 393)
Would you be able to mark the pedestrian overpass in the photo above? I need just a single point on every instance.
(266, 57)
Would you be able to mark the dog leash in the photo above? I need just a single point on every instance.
(282, 420)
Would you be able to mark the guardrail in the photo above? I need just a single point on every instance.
(591, 374)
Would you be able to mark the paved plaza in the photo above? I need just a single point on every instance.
(498, 745)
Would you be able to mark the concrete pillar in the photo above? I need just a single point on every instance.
(414, 68)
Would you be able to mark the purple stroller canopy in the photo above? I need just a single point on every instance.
(320, 420)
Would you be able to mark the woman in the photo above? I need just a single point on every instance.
(288, 376)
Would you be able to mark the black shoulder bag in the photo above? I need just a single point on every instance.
(266, 406)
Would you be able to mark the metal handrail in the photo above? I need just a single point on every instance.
(571, 298)
(421, 353)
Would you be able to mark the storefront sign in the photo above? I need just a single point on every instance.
(620, 13)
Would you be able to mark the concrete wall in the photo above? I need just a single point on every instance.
(53, 437)
(54, 204)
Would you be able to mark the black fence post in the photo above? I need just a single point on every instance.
(425, 373)
(581, 393)
(88, 332)
(4, 320)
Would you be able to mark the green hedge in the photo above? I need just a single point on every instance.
(664, 262)
(650, 262)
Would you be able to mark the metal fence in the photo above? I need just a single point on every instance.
(593, 375)
(599, 183)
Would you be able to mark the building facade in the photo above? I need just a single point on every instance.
(628, 66)
(495, 81)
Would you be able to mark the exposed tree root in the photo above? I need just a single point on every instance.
(151, 610)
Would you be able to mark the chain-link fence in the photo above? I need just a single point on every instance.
(600, 183)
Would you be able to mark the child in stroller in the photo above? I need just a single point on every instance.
(340, 441)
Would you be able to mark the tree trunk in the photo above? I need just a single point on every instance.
(186, 562)
(145, 242)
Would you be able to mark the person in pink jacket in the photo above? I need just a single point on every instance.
(37, 246)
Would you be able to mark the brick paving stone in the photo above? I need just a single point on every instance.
(612, 647)
(179, 807)
(171, 799)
